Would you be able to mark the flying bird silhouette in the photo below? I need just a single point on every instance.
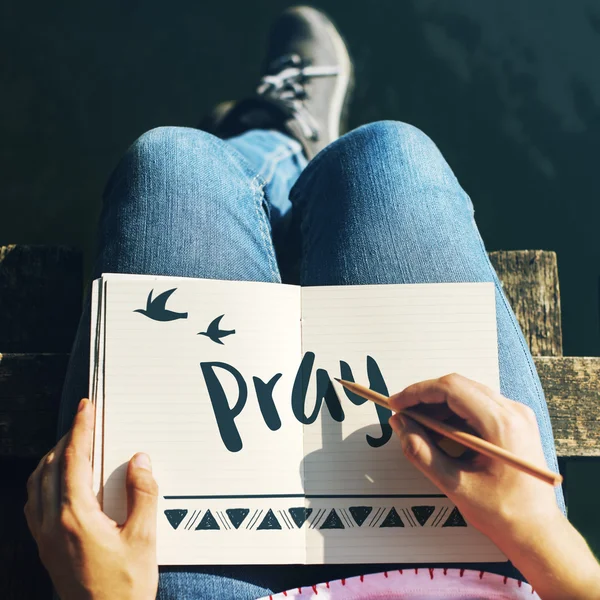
(156, 309)
(215, 333)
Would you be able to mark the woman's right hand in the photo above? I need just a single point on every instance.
(516, 511)
(492, 496)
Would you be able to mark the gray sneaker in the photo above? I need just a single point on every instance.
(305, 88)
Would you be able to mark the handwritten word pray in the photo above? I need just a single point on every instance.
(226, 414)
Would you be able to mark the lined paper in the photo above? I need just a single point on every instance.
(294, 493)
(156, 401)
(96, 382)
(412, 333)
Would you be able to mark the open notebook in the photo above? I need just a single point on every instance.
(259, 457)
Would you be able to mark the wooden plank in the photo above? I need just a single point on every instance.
(530, 282)
(572, 387)
(30, 389)
(40, 298)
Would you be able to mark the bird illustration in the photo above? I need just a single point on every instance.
(214, 333)
(156, 309)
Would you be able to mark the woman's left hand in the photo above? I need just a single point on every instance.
(87, 554)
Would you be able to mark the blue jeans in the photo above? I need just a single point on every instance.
(379, 205)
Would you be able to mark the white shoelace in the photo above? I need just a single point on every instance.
(287, 89)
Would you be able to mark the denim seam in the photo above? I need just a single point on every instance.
(258, 186)
(273, 159)
(239, 161)
(303, 234)
(540, 396)
(260, 181)
(524, 348)
(296, 194)
(299, 206)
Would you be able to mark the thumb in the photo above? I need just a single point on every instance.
(142, 499)
(422, 451)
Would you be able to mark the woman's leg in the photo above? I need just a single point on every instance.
(381, 205)
(184, 203)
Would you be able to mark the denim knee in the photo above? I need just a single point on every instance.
(402, 138)
(385, 162)
(183, 202)
(162, 142)
(166, 157)
(394, 146)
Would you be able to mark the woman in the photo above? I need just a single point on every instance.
(273, 193)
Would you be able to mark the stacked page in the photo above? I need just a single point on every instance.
(260, 457)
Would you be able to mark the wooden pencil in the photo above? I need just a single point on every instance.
(462, 437)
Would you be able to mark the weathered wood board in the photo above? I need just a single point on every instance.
(530, 282)
(30, 388)
(572, 387)
(40, 298)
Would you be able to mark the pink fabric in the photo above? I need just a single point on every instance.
(417, 584)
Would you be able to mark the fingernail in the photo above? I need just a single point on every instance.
(142, 461)
(82, 404)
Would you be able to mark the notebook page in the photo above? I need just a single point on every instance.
(98, 312)
(219, 503)
(96, 382)
(370, 504)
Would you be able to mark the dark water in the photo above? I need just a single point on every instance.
(510, 91)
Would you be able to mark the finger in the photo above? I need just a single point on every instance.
(50, 484)
(33, 506)
(494, 395)
(423, 453)
(465, 399)
(76, 477)
(441, 412)
(142, 500)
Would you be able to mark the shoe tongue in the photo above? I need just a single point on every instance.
(270, 115)
(252, 113)
(259, 117)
